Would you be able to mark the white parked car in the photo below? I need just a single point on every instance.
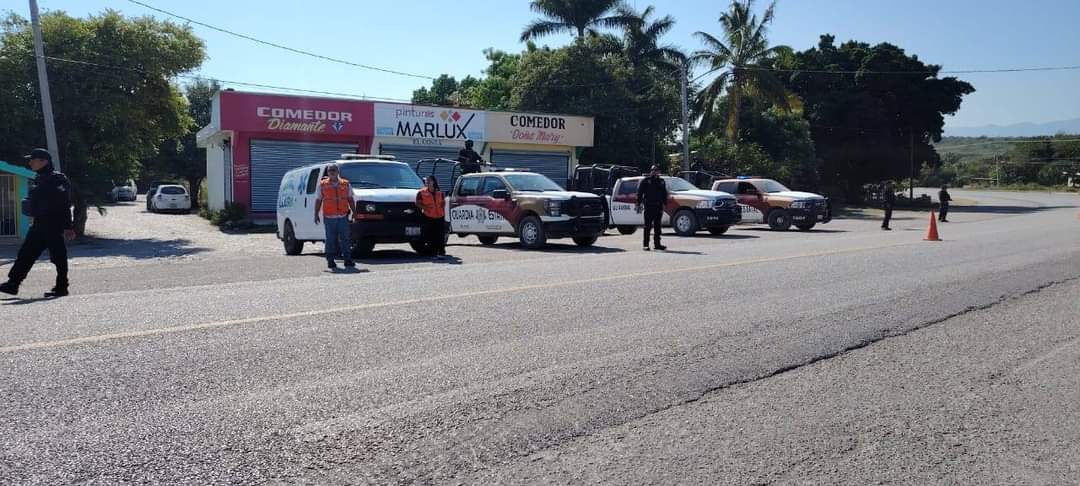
(124, 192)
(170, 197)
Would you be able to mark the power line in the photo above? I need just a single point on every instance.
(283, 47)
(226, 81)
(924, 72)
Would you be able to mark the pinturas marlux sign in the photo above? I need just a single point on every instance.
(428, 122)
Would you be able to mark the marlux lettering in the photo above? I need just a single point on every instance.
(299, 114)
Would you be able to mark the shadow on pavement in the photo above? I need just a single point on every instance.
(679, 252)
(139, 249)
(551, 248)
(21, 301)
(726, 236)
(822, 231)
(1003, 209)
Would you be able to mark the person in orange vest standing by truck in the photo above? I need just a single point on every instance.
(432, 204)
(335, 203)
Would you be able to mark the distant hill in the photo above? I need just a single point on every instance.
(1017, 130)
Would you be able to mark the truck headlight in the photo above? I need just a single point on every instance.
(801, 204)
(706, 204)
(553, 208)
(365, 207)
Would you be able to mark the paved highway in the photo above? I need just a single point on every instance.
(843, 355)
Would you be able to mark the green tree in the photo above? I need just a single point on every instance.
(441, 92)
(182, 157)
(642, 40)
(745, 60)
(113, 98)
(576, 16)
(865, 117)
(492, 92)
(634, 109)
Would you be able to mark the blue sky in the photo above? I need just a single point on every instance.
(432, 37)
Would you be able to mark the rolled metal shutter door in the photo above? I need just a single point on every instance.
(271, 159)
(411, 154)
(552, 164)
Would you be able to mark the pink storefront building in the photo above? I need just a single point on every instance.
(254, 138)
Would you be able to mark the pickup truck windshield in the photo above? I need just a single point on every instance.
(531, 183)
(772, 186)
(676, 184)
(380, 176)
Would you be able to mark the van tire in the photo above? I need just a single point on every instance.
(627, 230)
(585, 240)
(362, 248)
(718, 230)
(685, 223)
(293, 246)
(531, 233)
(487, 240)
(779, 219)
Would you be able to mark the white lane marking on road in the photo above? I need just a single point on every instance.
(351, 308)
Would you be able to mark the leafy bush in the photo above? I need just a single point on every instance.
(233, 214)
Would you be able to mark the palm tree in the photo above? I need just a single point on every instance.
(642, 40)
(578, 16)
(747, 61)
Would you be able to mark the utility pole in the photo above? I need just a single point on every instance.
(43, 86)
(911, 175)
(685, 75)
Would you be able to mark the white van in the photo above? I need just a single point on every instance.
(385, 193)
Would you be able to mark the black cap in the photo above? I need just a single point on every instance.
(39, 153)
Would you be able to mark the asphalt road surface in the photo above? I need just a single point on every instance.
(842, 355)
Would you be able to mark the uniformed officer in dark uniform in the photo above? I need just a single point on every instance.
(888, 200)
(652, 195)
(470, 160)
(944, 198)
(50, 206)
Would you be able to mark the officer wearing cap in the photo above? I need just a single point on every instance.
(469, 159)
(50, 206)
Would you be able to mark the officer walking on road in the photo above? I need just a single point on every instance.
(888, 199)
(50, 206)
(944, 199)
(652, 195)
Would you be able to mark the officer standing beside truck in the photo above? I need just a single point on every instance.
(652, 195)
(888, 200)
(50, 206)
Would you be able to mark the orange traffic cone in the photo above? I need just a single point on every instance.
(931, 234)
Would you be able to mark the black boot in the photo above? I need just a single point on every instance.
(57, 292)
(9, 287)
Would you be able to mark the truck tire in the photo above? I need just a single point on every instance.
(488, 240)
(627, 230)
(362, 248)
(806, 227)
(779, 219)
(685, 223)
(584, 241)
(718, 230)
(531, 233)
(293, 246)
